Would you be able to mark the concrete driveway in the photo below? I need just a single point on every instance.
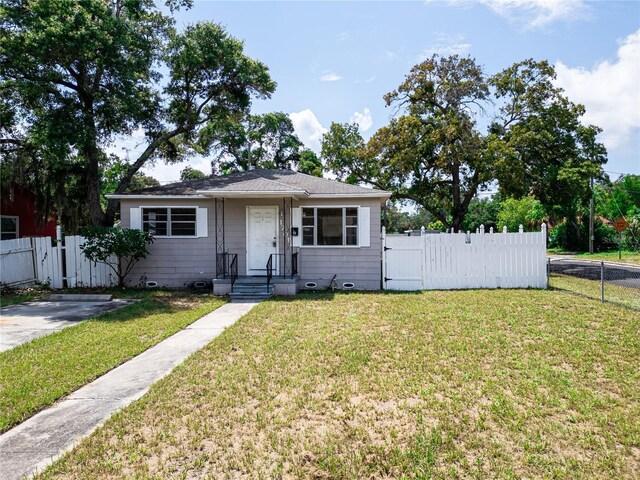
(24, 322)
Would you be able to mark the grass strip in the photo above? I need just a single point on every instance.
(36, 374)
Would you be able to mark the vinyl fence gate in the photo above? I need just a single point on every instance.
(447, 261)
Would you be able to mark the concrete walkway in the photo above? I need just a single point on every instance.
(24, 322)
(40, 440)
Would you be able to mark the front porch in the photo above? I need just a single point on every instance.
(255, 256)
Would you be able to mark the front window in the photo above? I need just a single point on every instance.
(9, 228)
(335, 226)
(169, 222)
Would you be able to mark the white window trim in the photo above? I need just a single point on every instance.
(142, 209)
(315, 226)
(17, 219)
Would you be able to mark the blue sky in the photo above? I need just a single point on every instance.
(334, 61)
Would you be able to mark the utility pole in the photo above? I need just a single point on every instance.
(591, 214)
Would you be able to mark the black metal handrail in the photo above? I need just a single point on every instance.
(294, 264)
(233, 269)
(269, 270)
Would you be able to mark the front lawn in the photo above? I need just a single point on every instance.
(36, 374)
(466, 384)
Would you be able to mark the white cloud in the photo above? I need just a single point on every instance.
(308, 128)
(368, 80)
(445, 44)
(330, 77)
(530, 13)
(363, 119)
(391, 55)
(610, 91)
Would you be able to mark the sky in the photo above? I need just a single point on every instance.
(334, 61)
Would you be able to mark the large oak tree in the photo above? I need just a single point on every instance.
(437, 152)
(74, 76)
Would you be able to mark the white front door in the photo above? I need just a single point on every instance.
(262, 238)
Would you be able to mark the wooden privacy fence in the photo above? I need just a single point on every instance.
(465, 260)
(59, 263)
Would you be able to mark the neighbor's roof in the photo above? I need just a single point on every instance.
(261, 182)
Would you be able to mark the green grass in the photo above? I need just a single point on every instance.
(627, 297)
(612, 256)
(36, 374)
(459, 384)
(609, 256)
(13, 296)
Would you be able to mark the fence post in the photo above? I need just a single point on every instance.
(60, 260)
(504, 229)
(602, 281)
(384, 258)
(423, 259)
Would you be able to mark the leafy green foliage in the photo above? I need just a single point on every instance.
(541, 147)
(190, 173)
(310, 163)
(526, 211)
(574, 236)
(77, 74)
(399, 221)
(482, 212)
(263, 141)
(118, 248)
(434, 154)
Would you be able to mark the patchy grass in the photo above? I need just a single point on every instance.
(609, 256)
(11, 296)
(459, 384)
(625, 296)
(36, 374)
(612, 256)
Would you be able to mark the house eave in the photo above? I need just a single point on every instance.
(373, 194)
(252, 193)
(124, 196)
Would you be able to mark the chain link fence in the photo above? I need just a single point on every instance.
(605, 281)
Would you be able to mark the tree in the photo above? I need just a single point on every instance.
(431, 153)
(526, 211)
(310, 163)
(190, 173)
(540, 146)
(482, 211)
(264, 141)
(81, 73)
(120, 249)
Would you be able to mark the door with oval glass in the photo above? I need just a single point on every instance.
(262, 238)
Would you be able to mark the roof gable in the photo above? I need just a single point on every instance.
(256, 182)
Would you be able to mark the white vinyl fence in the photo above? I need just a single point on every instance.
(59, 263)
(465, 260)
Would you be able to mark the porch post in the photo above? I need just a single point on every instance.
(287, 240)
(221, 268)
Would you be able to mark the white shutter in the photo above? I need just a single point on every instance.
(296, 221)
(202, 223)
(135, 218)
(364, 226)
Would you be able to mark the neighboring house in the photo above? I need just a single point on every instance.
(18, 215)
(303, 231)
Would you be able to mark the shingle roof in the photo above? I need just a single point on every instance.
(257, 181)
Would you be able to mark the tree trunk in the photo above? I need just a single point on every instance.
(92, 176)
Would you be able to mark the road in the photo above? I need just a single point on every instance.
(621, 274)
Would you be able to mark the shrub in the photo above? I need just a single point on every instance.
(118, 248)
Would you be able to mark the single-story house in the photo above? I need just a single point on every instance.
(290, 230)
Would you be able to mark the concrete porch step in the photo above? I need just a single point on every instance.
(249, 297)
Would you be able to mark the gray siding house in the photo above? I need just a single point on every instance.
(290, 230)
